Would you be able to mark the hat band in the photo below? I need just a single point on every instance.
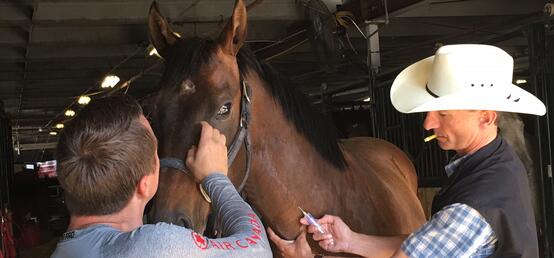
(430, 92)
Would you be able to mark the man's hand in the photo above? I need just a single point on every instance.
(210, 156)
(298, 248)
(338, 236)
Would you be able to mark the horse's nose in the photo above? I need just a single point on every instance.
(184, 221)
(179, 219)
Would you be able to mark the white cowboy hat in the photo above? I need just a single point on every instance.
(463, 77)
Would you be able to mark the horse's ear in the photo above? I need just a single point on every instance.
(234, 34)
(160, 34)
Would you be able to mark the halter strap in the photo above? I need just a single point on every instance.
(241, 137)
(174, 163)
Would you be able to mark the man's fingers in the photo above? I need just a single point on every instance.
(207, 132)
(191, 154)
(312, 229)
(279, 242)
(327, 219)
(275, 238)
(222, 139)
(302, 236)
(320, 237)
(327, 244)
(271, 233)
(211, 133)
(216, 134)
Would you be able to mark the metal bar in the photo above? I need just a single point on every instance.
(540, 83)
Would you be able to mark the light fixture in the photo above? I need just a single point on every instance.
(53, 133)
(83, 100)
(110, 81)
(69, 112)
(367, 99)
(59, 126)
(152, 51)
(521, 81)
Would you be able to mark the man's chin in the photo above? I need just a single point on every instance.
(444, 146)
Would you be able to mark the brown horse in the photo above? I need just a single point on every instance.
(294, 157)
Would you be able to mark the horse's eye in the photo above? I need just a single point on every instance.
(224, 110)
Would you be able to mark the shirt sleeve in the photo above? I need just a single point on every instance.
(244, 234)
(455, 231)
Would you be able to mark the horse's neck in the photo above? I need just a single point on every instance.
(276, 140)
(283, 159)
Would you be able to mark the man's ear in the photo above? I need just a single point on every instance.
(487, 117)
(143, 185)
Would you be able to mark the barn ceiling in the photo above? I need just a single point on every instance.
(51, 52)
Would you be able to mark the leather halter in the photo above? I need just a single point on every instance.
(241, 137)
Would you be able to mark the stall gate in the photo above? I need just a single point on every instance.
(541, 63)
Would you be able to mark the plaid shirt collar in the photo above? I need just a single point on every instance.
(454, 163)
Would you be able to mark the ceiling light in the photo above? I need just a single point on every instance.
(521, 81)
(69, 112)
(59, 126)
(83, 100)
(152, 51)
(367, 99)
(109, 81)
(53, 133)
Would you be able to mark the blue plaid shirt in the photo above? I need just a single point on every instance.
(455, 231)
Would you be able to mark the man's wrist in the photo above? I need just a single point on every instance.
(212, 176)
(352, 242)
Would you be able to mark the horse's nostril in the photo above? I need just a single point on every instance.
(184, 222)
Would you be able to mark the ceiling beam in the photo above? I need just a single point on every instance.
(37, 146)
(135, 12)
(456, 8)
(14, 12)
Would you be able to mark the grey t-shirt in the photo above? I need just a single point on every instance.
(243, 233)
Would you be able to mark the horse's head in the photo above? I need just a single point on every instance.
(201, 82)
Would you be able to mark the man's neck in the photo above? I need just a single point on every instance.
(128, 219)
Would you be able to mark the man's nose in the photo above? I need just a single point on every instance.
(430, 121)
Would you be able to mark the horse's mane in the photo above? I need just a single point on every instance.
(187, 56)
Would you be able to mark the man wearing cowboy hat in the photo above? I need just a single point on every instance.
(484, 210)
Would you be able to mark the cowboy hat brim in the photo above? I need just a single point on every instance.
(409, 95)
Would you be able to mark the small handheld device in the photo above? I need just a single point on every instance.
(312, 221)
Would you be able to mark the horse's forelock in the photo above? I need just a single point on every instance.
(185, 60)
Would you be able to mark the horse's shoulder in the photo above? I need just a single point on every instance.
(374, 151)
(381, 155)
